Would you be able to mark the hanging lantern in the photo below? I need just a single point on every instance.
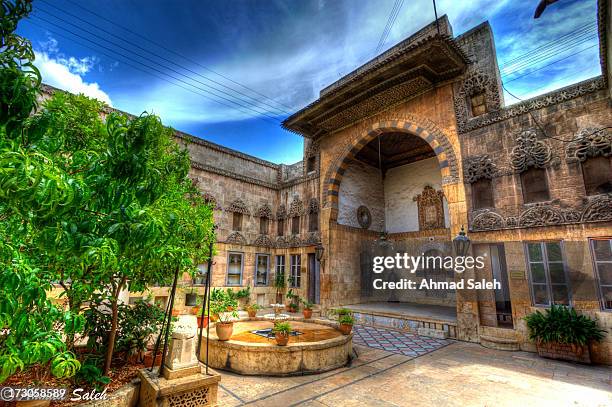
(319, 250)
(461, 243)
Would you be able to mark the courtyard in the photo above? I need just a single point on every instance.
(450, 374)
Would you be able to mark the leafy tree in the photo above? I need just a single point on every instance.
(96, 206)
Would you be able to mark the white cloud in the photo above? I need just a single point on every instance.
(65, 73)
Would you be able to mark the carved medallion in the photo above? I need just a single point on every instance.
(478, 167)
(431, 208)
(529, 152)
(589, 142)
(364, 217)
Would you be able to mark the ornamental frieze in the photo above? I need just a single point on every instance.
(595, 209)
(238, 206)
(313, 238)
(589, 142)
(478, 167)
(529, 152)
(264, 211)
(281, 242)
(263, 241)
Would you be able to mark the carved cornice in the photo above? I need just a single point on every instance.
(589, 142)
(529, 152)
(238, 206)
(478, 167)
(552, 98)
(594, 209)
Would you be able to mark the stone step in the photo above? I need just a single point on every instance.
(494, 342)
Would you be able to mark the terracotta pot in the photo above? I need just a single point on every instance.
(196, 310)
(292, 308)
(176, 312)
(224, 330)
(345, 328)
(202, 322)
(307, 313)
(252, 313)
(148, 359)
(214, 318)
(281, 338)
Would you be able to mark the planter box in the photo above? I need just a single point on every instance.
(563, 351)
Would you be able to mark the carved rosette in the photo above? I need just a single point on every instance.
(264, 211)
(431, 208)
(529, 152)
(238, 206)
(263, 241)
(474, 83)
(296, 208)
(589, 142)
(236, 238)
(478, 167)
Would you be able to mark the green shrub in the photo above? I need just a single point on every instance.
(563, 325)
(346, 319)
(282, 328)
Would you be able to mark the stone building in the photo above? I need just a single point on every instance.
(412, 146)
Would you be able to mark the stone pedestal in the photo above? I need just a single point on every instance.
(183, 381)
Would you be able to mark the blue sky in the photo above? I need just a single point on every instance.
(286, 50)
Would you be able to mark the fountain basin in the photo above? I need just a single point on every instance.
(318, 348)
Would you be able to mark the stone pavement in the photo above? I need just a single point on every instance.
(459, 374)
(405, 343)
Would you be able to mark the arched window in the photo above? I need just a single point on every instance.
(263, 226)
(237, 221)
(535, 185)
(482, 194)
(313, 222)
(280, 227)
(295, 225)
(597, 175)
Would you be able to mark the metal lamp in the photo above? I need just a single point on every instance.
(461, 243)
(319, 250)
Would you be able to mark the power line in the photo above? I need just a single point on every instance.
(580, 29)
(166, 67)
(379, 45)
(397, 6)
(186, 58)
(552, 63)
(253, 109)
(115, 53)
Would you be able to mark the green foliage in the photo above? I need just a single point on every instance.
(220, 304)
(346, 319)
(307, 304)
(91, 374)
(279, 281)
(282, 328)
(252, 307)
(563, 325)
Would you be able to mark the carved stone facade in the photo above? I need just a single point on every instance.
(589, 142)
(475, 168)
(475, 82)
(431, 209)
(529, 152)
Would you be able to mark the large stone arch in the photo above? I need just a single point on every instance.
(426, 130)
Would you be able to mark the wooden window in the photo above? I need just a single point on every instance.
(263, 226)
(280, 227)
(602, 256)
(313, 222)
(295, 276)
(262, 266)
(597, 175)
(478, 104)
(234, 268)
(311, 163)
(548, 274)
(482, 194)
(295, 225)
(237, 221)
(535, 186)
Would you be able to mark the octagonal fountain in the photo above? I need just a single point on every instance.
(315, 346)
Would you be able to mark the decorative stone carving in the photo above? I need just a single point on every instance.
(478, 167)
(263, 241)
(431, 208)
(529, 152)
(264, 211)
(543, 215)
(281, 213)
(598, 209)
(211, 200)
(281, 242)
(313, 206)
(313, 238)
(364, 217)
(312, 149)
(236, 238)
(474, 83)
(294, 241)
(553, 98)
(239, 206)
(296, 208)
(488, 220)
(589, 142)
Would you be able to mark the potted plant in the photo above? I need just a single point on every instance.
(197, 307)
(279, 285)
(561, 333)
(307, 311)
(346, 323)
(252, 309)
(224, 309)
(294, 301)
(281, 333)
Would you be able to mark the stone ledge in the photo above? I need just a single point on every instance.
(499, 343)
